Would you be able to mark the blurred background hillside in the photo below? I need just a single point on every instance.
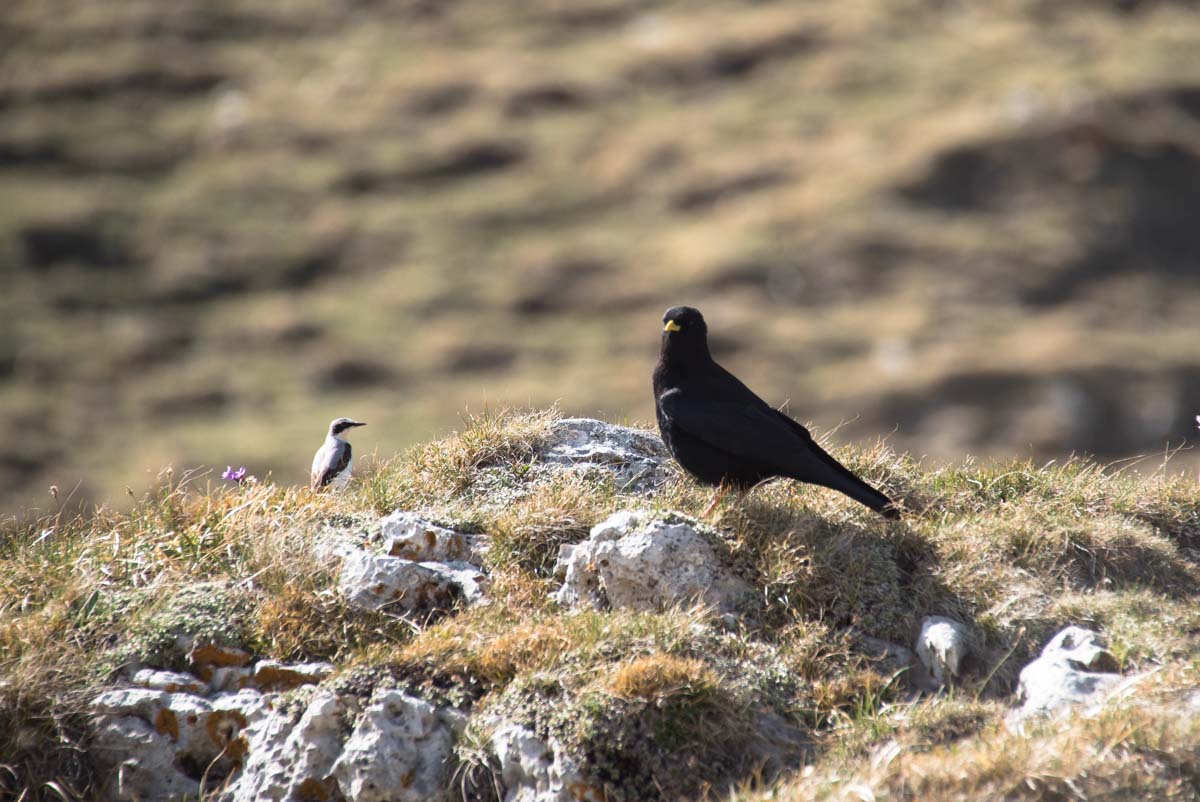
(973, 224)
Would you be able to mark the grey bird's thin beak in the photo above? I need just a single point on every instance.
(356, 423)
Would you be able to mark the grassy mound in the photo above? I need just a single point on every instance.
(1014, 550)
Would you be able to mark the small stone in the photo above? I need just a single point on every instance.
(147, 736)
(141, 702)
(942, 647)
(230, 678)
(249, 703)
(374, 582)
(136, 762)
(411, 537)
(471, 582)
(1074, 667)
(537, 770)
(169, 681)
(1084, 649)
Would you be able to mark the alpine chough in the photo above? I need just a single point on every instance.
(725, 435)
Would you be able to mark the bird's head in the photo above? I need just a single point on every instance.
(340, 426)
(685, 335)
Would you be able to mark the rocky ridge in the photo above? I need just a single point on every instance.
(238, 728)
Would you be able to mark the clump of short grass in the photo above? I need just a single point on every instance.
(442, 471)
(657, 679)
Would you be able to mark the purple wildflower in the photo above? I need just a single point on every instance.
(234, 476)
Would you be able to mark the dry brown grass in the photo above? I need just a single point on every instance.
(659, 678)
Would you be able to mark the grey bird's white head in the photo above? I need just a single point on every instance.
(331, 464)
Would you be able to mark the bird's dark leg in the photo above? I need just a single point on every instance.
(718, 494)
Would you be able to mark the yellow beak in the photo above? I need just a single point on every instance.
(671, 326)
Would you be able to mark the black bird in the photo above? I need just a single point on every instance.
(725, 435)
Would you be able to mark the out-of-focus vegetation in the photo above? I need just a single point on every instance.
(224, 223)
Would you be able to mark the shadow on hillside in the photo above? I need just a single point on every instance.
(1126, 170)
(876, 583)
(1104, 412)
(880, 581)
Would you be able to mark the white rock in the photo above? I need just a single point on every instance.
(533, 770)
(374, 581)
(637, 459)
(141, 702)
(472, 583)
(408, 535)
(248, 702)
(147, 737)
(169, 681)
(1074, 667)
(138, 763)
(290, 759)
(942, 647)
(1084, 649)
(199, 733)
(637, 560)
(400, 751)
(230, 678)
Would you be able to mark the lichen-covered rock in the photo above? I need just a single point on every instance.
(156, 745)
(272, 675)
(411, 537)
(395, 749)
(204, 658)
(537, 770)
(471, 581)
(400, 751)
(1074, 667)
(636, 459)
(136, 762)
(943, 646)
(290, 754)
(230, 678)
(638, 560)
(375, 581)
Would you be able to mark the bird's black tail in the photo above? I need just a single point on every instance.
(838, 477)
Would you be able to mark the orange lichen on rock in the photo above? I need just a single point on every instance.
(218, 656)
(166, 723)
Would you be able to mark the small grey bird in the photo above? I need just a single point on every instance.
(331, 465)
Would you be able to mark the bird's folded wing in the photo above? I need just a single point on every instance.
(747, 431)
(320, 460)
(335, 463)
